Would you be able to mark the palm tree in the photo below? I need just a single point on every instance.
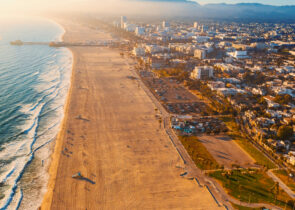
(160, 121)
(275, 190)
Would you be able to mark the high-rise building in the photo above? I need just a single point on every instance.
(195, 24)
(165, 24)
(139, 31)
(204, 29)
(123, 21)
(129, 27)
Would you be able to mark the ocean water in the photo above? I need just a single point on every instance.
(34, 81)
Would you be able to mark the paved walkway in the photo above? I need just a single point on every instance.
(281, 183)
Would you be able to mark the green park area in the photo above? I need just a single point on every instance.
(252, 186)
(243, 207)
(284, 176)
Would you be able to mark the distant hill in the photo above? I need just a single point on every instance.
(249, 11)
(178, 1)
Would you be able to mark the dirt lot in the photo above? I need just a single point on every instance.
(225, 151)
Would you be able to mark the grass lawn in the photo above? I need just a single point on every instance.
(251, 186)
(235, 206)
(283, 175)
(199, 153)
(234, 132)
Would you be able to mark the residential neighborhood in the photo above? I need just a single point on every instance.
(245, 70)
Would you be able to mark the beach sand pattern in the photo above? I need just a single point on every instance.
(110, 135)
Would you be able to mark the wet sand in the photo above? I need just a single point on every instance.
(111, 135)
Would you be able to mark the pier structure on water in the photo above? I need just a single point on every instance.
(67, 44)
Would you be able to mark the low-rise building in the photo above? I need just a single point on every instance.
(200, 53)
(139, 31)
(157, 63)
(214, 85)
(138, 51)
(226, 91)
(201, 39)
(238, 54)
(202, 72)
(270, 102)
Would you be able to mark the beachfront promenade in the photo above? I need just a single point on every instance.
(111, 135)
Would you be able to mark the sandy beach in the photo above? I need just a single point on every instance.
(111, 135)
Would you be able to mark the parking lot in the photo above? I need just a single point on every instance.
(175, 98)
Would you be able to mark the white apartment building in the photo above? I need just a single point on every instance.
(200, 53)
(202, 72)
(238, 54)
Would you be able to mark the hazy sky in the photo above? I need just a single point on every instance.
(271, 2)
(26, 6)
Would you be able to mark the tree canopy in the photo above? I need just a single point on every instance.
(285, 132)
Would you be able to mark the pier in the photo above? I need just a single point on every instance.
(66, 44)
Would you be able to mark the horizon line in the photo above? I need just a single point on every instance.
(275, 5)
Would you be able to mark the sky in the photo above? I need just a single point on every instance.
(4, 3)
(41, 6)
(270, 2)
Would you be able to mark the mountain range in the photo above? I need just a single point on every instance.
(249, 11)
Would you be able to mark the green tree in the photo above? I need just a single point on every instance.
(283, 99)
(275, 190)
(285, 132)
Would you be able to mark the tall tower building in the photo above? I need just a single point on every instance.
(165, 24)
(123, 20)
(195, 24)
(204, 29)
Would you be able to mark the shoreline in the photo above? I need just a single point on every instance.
(44, 174)
(28, 180)
(56, 149)
(55, 155)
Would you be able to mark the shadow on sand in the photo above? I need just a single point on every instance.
(80, 177)
(87, 180)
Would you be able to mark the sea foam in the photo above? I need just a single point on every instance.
(32, 108)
